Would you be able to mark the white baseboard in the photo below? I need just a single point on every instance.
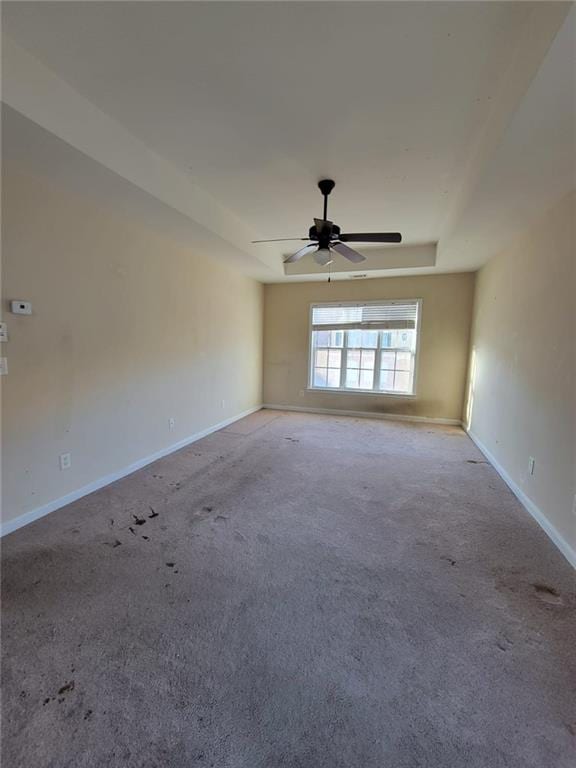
(363, 414)
(51, 506)
(527, 503)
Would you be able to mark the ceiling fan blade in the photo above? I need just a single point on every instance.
(348, 253)
(323, 257)
(298, 255)
(279, 240)
(371, 237)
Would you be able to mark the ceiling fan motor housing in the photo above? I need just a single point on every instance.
(333, 234)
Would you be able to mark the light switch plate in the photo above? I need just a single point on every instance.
(65, 460)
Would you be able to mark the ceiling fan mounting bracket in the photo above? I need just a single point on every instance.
(326, 186)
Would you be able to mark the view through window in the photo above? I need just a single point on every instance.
(368, 347)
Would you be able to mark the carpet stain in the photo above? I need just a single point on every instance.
(66, 688)
(476, 461)
(501, 646)
(547, 594)
(138, 520)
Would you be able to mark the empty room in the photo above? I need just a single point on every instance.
(288, 384)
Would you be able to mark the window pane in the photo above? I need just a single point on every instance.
(320, 377)
(386, 339)
(322, 358)
(321, 338)
(334, 356)
(368, 358)
(333, 377)
(366, 379)
(352, 379)
(370, 339)
(354, 339)
(336, 339)
(353, 358)
(408, 339)
(403, 361)
(387, 380)
(402, 381)
(387, 360)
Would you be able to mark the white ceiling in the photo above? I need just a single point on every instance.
(436, 119)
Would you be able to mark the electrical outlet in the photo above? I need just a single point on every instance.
(65, 460)
(223, 404)
(301, 393)
(531, 463)
(3, 332)
(3, 366)
(171, 424)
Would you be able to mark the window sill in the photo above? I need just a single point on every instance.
(360, 392)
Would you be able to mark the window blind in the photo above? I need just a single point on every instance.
(387, 315)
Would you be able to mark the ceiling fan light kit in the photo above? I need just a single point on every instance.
(326, 237)
(323, 257)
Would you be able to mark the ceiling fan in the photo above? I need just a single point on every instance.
(326, 237)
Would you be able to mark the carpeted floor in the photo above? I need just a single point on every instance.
(294, 591)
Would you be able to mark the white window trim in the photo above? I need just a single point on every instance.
(309, 388)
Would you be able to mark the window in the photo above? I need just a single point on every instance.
(368, 347)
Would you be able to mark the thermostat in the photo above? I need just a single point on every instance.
(21, 307)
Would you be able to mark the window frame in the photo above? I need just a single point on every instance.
(343, 390)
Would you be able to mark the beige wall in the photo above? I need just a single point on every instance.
(522, 389)
(128, 330)
(445, 327)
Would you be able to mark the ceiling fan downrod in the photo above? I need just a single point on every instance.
(326, 186)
